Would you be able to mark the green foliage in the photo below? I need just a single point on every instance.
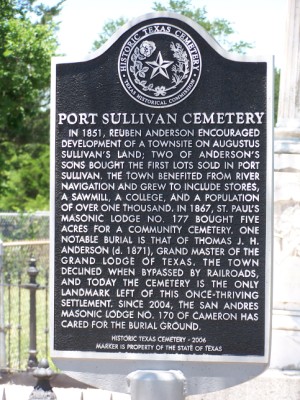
(28, 44)
(109, 29)
(28, 41)
(27, 178)
(24, 227)
(220, 29)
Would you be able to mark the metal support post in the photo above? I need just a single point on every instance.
(32, 286)
(158, 385)
(2, 327)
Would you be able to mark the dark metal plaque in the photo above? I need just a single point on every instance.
(162, 199)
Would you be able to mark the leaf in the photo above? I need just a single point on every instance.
(139, 65)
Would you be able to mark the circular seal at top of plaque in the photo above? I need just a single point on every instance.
(159, 65)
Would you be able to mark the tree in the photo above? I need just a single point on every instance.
(28, 40)
(27, 178)
(108, 30)
(220, 29)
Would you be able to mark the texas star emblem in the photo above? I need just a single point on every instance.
(159, 65)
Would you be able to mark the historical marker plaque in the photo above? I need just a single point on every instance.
(162, 199)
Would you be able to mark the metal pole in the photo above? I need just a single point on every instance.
(158, 385)
(2, 327)
(32, 286)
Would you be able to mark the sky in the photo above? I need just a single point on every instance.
(259, 22)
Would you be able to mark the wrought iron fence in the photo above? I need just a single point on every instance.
(23, 289)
